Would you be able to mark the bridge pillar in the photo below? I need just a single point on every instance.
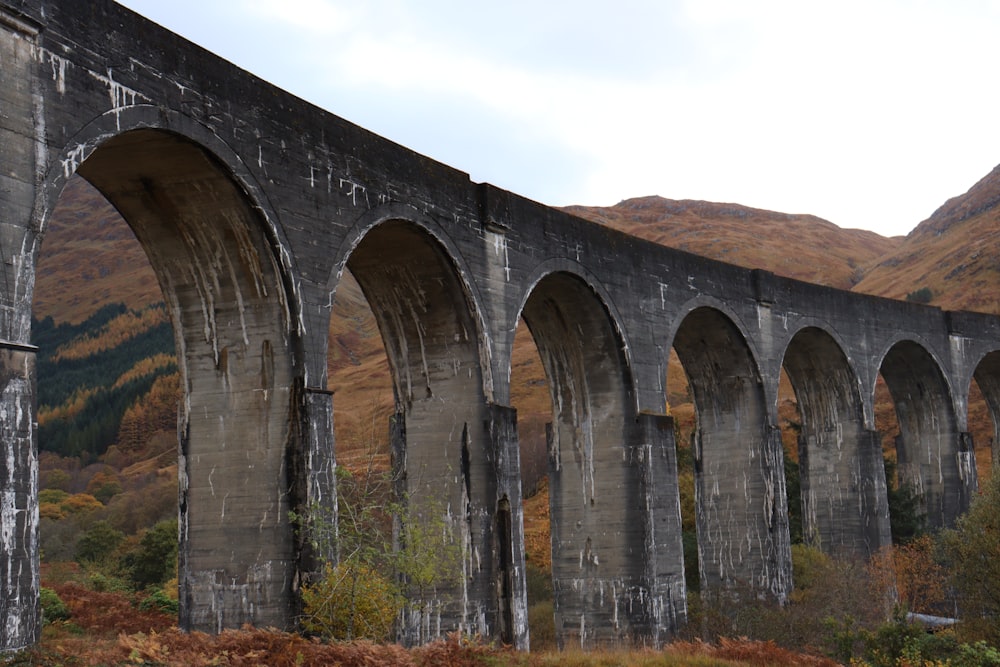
(845, 511)
(475, 487)
(317, 478)
(874, 495)
(968, 476)
(941, 471)
(663, 603)
(776, 577)
(21, 166)
(600, 600)
(508, 544)
(20, 619)
(743, 548)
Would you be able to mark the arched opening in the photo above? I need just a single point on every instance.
(844, 510)
(906, 516)
(594, 493)
(445, 480)
(529, 395)
(984, 414)
(215, 262)
(740, 501)
(358, 371)
(932, 458)
(107, 399)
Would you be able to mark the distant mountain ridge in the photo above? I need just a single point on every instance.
(955, 253)
(982, 197)
(798, 246)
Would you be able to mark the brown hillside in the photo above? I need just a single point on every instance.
(90, 258)
(797, 246)
(955, 253)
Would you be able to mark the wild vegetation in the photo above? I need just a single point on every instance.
(108, 391)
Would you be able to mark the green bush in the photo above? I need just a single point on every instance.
(160, 601)
(971, 549)
(155, 559)
(922, 295)
(98, 542)
(53, 608)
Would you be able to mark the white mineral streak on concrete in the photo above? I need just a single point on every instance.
(588, 444)
(352, 189)
(500, 250)
(121, 96)
(57, 63)
(73, 160)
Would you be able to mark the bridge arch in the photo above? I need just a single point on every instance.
(844, 506)
(563, 266)
(933, 456)
(740, 495)
(223, 268)
(453, 263)
(594, 480)
(442, 457)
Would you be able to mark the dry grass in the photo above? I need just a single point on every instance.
(243, 648)
(108, 629)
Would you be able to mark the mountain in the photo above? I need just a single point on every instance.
(955, 254)
(796, 246)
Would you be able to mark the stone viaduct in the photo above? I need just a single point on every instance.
(251, 203)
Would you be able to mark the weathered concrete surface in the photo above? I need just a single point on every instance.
(251, 204)
(20, 618)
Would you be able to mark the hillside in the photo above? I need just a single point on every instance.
(90, 258)
(796, 246)
(955, 253)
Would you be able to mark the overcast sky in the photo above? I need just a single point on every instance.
(867, 113)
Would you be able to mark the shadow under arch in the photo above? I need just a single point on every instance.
(933, 457)
(219, 270)
(594, 482)
(740, 495)
(442, 437)
(844, 507)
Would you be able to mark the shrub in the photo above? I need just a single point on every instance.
(159, 600)
(922, 295)
(972, 549)
(98, 542)
(53, 608)
(351, 601)
(155, 559)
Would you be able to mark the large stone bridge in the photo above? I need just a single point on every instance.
(251, 203)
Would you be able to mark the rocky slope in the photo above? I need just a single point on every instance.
(955, 253)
